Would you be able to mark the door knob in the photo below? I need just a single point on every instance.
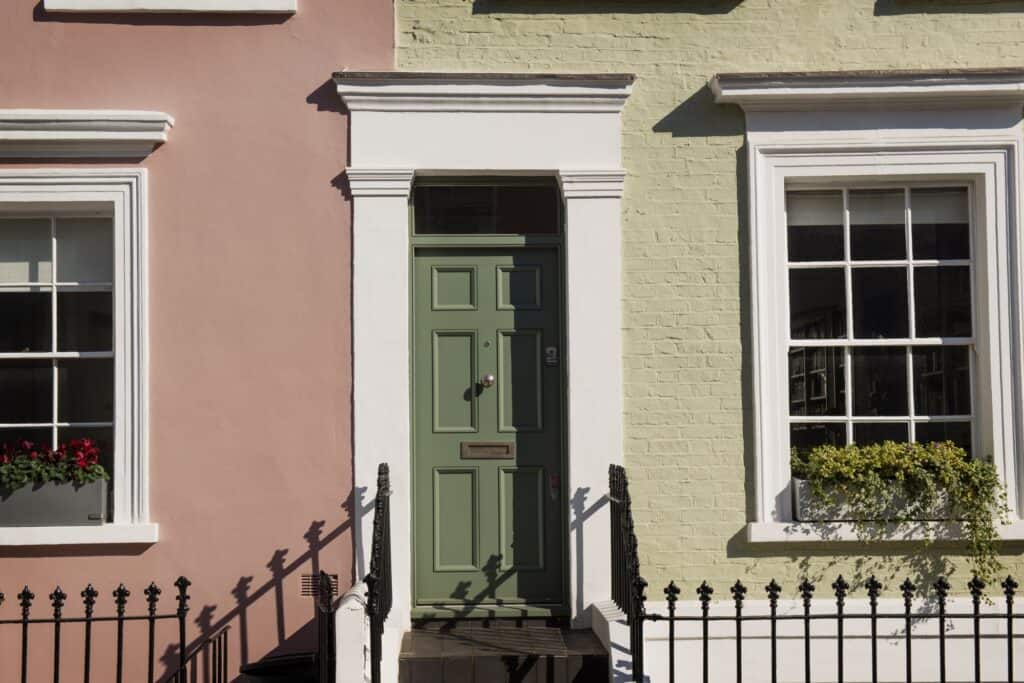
(487, 381)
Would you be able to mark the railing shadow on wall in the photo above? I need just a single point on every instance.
(247, 595)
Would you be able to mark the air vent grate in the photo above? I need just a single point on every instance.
(311, 586)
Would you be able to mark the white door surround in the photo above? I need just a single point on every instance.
(565, 126)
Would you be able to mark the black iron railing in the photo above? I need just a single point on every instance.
(627, 584)
(812, 624)
(327, 662)
(378, 581)
(208, 661)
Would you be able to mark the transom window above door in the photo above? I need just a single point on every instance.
(881, 315)
(487, 207)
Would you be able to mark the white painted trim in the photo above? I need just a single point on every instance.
(255, 6)
(979, 147)
(841, 532)
(105, 534)
(483, 94)
(839, 90)
(392, 139)
(124, 192)
(67, 133)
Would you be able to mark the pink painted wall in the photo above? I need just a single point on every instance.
(249, 303)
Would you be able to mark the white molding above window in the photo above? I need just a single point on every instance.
(813, 139)
(69, 133)
(880, 90)
(122, 192)
(252, 6)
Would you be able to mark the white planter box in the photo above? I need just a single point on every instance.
(808, 508)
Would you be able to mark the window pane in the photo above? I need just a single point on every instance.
(85, 250)
(880, 303)
(528, 210)
(870, 433)
(39, 438)
(25, 250)
(487, 209)
(815, 226)
(879, 381)
(85, 321)
(817, 303)
(942, 297)
(26, 391)
(877, 225)
(942, 381)
(941, 223)
(817, 381)
(804, 437)
(85, 390)
(26, 321)
(957, 432)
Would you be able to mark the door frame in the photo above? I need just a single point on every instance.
(568, 126)
(508, 242)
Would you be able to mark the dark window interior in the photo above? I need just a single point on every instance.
(487, 209)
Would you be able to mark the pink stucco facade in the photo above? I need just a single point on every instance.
(249, 304)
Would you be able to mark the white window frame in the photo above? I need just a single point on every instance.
(253, 6)
(850, 342)
(807, 131)
(122, 193)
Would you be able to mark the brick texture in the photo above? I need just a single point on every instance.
(686, 322)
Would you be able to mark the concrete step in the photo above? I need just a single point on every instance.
(498, 650)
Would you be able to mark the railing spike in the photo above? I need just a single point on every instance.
(841, 587)
(89, 595)
(773, 589)
(57, 598)
(806, 592)
(942, 588)
(704, 592)
(977, 587)
(182, 585)
(672, 593)
(121, 595)
(874, 588)
(1009, 585)
(25, 598)
(152, 593)
(738, 591)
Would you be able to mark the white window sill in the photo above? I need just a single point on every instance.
(262, 6)
(79, 535)
(840, 532)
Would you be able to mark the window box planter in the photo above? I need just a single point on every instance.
(54, 504)
(809, 508)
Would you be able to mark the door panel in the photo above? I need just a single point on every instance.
(487, 459)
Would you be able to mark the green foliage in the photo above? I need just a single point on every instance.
(898, 485)
(76, 462)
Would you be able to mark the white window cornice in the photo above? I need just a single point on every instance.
(70, 133)
(253, 6)
(870, 89)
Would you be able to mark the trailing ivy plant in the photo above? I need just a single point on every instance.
(898, 485)
(26, 463)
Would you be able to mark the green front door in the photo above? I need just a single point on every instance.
(487, 452)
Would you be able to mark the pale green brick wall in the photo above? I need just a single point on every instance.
(687, 440)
